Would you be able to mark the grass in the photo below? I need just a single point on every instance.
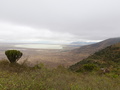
(21, 77)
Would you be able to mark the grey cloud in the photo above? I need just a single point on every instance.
(84, 19)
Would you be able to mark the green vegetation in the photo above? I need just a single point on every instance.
(100, 71)
(13, 55)
(22, 77)
(89, 67)
(105, 61)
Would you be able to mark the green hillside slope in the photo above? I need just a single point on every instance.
(108, 58)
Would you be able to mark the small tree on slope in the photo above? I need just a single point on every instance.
(13, 55)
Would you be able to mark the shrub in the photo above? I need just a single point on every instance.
(90, 67)
(13, 55)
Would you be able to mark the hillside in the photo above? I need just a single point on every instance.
(97, 46)
(85, 51)
(22, 77)
(108, 58)
(15, 76)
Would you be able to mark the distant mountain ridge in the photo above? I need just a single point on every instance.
(82, 43)
(97, 46)
(87, 50)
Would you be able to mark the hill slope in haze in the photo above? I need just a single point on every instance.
(87, 50)
(97, 46)
(106, 58)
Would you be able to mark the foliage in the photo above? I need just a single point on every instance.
(90, 67)
(19, 77)
(13, 55)
(107, 59)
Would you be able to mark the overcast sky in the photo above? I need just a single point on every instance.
(59, 21)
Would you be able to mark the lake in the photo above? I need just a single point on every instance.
(39, 46)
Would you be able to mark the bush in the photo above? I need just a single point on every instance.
(13, 55)
(90, 67)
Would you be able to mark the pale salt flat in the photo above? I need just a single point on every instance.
(39, 46)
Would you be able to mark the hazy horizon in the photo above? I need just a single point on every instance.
(58, 21)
